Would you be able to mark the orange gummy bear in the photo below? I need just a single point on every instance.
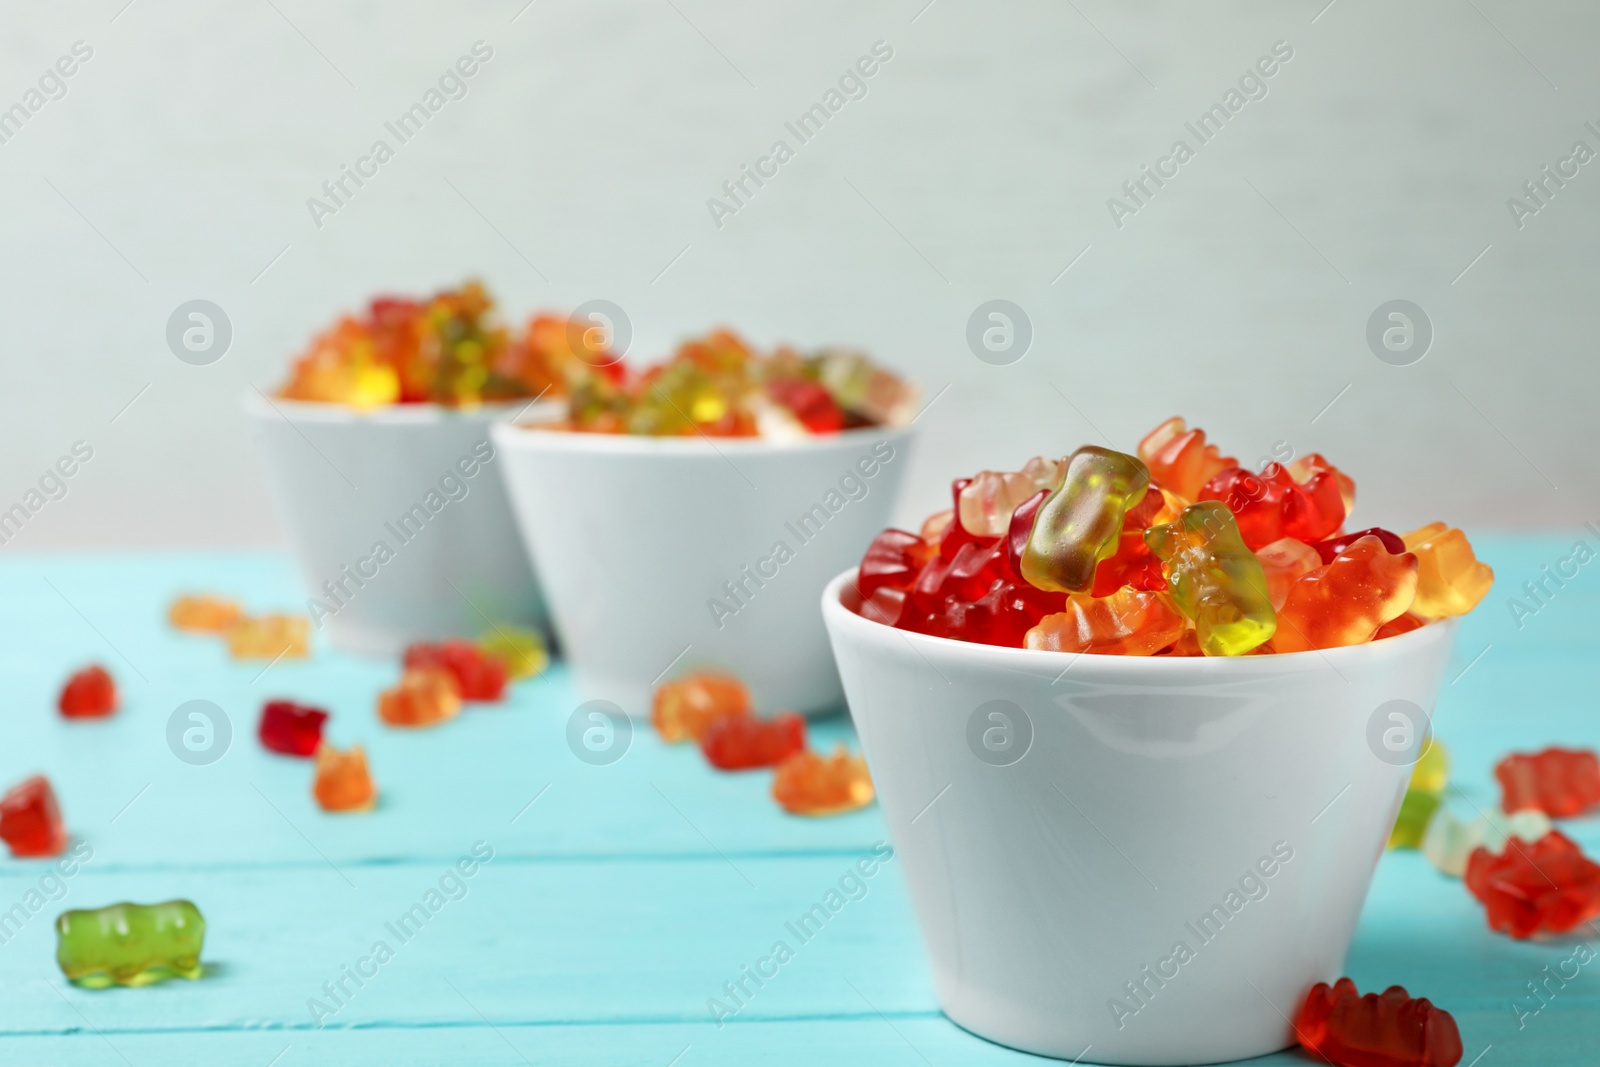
(1285, 561)
(684, 707)
(270, 636)
(809, 783)
(204, 614)
(342, 782)
(425, 696)
(1450, 580)
(1347, 601)
(1129, 622)
(1180, 459)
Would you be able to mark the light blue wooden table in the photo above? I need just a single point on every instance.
(619, 898)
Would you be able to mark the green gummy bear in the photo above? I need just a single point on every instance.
(1216, 580)
(1079, 522)
(130, 944)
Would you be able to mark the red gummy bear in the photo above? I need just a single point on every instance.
(1561, 782)
(1329, 550)
(1548, 887)
(745, 742)
(291, 729)
(478, 675)
(88, 694)
(1272, 504)
(893, 560)
(1377, 1030)
(810, 402)
(30, 819)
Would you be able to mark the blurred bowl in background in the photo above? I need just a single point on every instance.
(665, 555)
(398, 518)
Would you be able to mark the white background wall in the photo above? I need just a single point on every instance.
(978, 166)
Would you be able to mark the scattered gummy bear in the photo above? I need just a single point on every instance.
(1428, 779)
(130, 944)
(30, 819)
(809, 783)
(1450, 841)
(270, 636)
(745, 742)
(478, 675)
(204, 613)
(425, 696)
(1389, 1029)
(1561, 782)
(291, 729)
(684, 707)
(342, 782)
(522, 652)
(1548, 887)
(90, 693)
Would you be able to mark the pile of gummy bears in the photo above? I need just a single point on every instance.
(1178, 551)
(452, 349)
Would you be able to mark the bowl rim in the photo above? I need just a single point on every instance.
(264, 403)
(512, 434)
(843, 619)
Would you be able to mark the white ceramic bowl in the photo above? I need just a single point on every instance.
(1147, 790)
(662, 555)
(417, 479)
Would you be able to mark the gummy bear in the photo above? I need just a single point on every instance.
(478, 675)
(342, 782)
(809, 783)
(745, 742)
(1450, 580)
(1423, 793)
(1306, 467)
(89, 693)
(1346, 601)
(986, 502)
(291, 729)
(1449, 840)
(1129, 622)
(1561, 782)
(1080, 522)
(204, 614)
(1215, 580)
(810, 403)
(1180, 459)
(130, 944)
(1133, 565)
(1548, 887)
(270, 636)
(30, 819)
(1402, 624)
(1377, 1030)
(873, 395)
(683, 708)
(893, 559)
(975, 596)
(1271, 504)
(426, 696)
(521, 652)
(1329, 550)
(1283, 561)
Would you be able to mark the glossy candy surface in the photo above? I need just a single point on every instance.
(683, 707)
(342, 781)
(1345, 602)
(1548, 887)
(270, 637)
(1284, 561)
(1215, 580)
(1388, 1029)
(1080, 522)
(1562, 782)
(809, 783)
(1128, 622)
(204, 614)
(1180, 459)
(478, 675)
(30, 819)
(1449, 841)
(745, 742)
(90, 693)
(130, 944)
(1272, 504)
(291, 729)
(986, 502)
(1429, 776)
(521, 652)
(1450, 580)
(426, 696)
